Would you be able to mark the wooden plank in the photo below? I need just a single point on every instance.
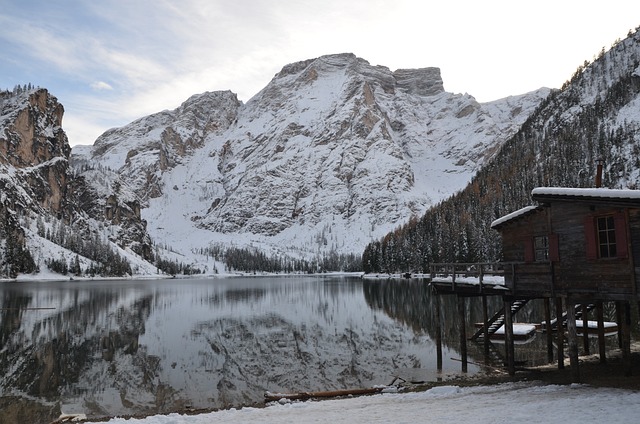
(274, 397)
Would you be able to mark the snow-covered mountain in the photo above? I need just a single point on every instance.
(52, 219)
(596, 115)
(330, 155)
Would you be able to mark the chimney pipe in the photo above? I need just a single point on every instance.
(599, 163)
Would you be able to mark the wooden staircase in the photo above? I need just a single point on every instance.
(496, 321)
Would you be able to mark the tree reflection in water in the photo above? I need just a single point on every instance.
(145, 347)
(412, 303)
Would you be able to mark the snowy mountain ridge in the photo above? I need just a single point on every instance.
(331, 154)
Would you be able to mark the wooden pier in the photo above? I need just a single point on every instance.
(466, 280)
(579, 247)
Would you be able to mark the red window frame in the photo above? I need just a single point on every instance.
(553, 246)
(594, 234)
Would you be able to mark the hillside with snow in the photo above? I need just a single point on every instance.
(595, 116)
(331, 154)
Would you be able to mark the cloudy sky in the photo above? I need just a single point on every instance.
(112, 61)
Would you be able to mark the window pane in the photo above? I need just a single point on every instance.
(606, 237)
(541, 246)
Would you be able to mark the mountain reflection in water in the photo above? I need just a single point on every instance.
(143, 347)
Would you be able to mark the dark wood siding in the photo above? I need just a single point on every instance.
(517, 236)
(578, 272)
(528, 277)
(531, 279)
(574, 269)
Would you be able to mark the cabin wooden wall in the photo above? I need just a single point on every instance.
(574, 273)
(527, 278)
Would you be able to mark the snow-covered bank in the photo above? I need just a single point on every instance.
(47, 275)
(504, 403)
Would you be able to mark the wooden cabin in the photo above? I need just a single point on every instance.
(580, 247)
(581, 243)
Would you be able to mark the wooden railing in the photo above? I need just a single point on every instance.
(450, 272)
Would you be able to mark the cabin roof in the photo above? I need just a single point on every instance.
(586, 194)
(596, 195)
(513, 215)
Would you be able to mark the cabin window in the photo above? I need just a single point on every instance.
(541, 248)
(606, 237)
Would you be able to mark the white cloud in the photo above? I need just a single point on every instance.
(101, 86)
(161, 52)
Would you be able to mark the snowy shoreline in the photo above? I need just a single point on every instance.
(52, 277)
(518, 402)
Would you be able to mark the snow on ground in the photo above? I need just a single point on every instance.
(505, 403)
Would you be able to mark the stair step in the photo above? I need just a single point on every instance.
(498, 319)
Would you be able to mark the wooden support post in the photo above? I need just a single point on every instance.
(453, 278)
(626, 336)
(485, 329)
(619, 308)
(463, 333)
(572, 336)
(548, 328)
(508, 336)
(438, 322)
(601, 340)
(559, 333)
(585, 329)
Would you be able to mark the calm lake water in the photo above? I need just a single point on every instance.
(140, 347)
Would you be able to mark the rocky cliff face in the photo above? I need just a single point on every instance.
(41, 200)
(144, 150)
(33, 143)
(332, 153)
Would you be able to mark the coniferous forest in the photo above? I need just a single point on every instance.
(557, 146)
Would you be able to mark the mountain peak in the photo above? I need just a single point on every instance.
(31, 128)
(421, 82)
(331, 153)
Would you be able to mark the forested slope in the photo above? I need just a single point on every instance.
(595, 115)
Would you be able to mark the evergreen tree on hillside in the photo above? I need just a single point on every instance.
(557, 146)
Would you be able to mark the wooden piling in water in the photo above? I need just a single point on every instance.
(601, 340)
(572, 336)
(585, 329)
(626, 336)
(463, 333)
(508, 333)
(438, 323)
(559, 333)
(548, 329)
(485, 328)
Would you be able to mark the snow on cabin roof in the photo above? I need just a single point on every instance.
(569, 192)
(520, 212)
(593, 193)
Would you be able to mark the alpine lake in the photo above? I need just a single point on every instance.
(142, 347)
